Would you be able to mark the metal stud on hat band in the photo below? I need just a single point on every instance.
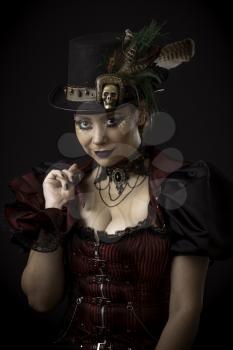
(79, 94)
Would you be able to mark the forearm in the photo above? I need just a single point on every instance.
(43, 279)
(180, 331)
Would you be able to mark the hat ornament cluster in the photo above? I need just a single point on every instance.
(132, 70)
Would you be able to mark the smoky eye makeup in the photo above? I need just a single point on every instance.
(83, 124)
(111, 120)
(114, 120)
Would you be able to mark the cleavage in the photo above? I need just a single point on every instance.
(129, 213)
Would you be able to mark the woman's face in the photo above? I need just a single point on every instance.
(115, 132)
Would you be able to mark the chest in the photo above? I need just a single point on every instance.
(106, 210)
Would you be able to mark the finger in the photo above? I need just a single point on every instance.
(68, 175)
(64, 182)
(53, 174)
(59, 177)
(73, 168)
(72, 178)
(59, 180)
(76, 174)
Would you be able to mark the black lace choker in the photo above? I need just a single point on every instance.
(119, 175)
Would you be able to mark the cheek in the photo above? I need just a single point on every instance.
(83, 137)
(126, 127)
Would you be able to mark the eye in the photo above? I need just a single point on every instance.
(83, 124)
(113, 121)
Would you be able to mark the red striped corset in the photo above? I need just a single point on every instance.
(121, 285)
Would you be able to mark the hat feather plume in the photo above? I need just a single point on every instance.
(143, 64)
(172, 55)
(138, 52)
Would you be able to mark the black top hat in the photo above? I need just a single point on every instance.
(110, 69)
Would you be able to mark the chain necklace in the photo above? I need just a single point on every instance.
(119, 175)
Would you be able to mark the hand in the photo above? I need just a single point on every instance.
(59, 186)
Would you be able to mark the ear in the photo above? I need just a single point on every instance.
(142, 118)
(142, 113)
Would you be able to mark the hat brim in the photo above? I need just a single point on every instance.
(58, 100)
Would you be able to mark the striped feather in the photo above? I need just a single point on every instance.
(172, 55)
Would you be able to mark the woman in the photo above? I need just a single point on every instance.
(124, 230)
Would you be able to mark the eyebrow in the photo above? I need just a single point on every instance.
(108, 115)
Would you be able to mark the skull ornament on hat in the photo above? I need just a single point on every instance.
(110, 69)
(110, 96)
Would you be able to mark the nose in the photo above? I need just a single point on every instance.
(99, 135)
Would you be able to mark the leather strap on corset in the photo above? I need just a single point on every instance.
(105, 345)
(96, 300)
(110, 345)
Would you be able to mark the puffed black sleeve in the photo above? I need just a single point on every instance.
(197, 206)
(26, 214)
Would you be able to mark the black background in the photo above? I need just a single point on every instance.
(34, 48)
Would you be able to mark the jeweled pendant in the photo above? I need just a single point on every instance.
(119, 177)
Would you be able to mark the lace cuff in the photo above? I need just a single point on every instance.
(47, 242)
(51, 236)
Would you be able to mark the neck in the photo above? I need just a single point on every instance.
(127, 160)
(135, 164)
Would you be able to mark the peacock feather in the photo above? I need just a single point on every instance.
(143, 64)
